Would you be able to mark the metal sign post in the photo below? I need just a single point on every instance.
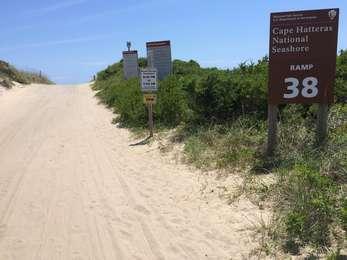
(149, 86)
(302, 63)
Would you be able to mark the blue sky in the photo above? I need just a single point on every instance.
(70, 40)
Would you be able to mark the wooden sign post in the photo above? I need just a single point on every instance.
(149, 88)
(322, 124)
(272, 129)
(302, 61)
(150, 100)
(150, 119)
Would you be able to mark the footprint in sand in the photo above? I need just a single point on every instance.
(142, 210)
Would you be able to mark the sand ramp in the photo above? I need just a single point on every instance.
(72, 187)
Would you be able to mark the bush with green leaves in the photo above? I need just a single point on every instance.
(209, 95)
(235, 145)
(125, 97)
(9, 72)
(341, 77)
(307, 207)
(344, 214)
(171, 108)
(221, 115)
(311, 181)
(129, 103)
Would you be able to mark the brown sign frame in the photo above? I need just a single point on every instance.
(158, 44)
(302, 56)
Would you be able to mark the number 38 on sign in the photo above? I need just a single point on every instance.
(309, 90)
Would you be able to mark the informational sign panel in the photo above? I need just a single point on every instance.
(130, 64)
(150, 98)
(159, 57)
(303, 48)
(149, 80)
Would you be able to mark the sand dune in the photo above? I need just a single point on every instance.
(72, 187)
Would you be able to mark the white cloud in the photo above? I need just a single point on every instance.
(56, 42)
(119, 11)
(123, 10)
(54, 7)
(93, 63)
(81, 19)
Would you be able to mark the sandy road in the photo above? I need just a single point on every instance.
(71, 187)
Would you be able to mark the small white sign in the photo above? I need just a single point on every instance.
(149, 80)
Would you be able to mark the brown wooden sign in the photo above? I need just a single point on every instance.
(303, 47)
(150, 98)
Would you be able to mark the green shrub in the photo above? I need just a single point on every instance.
(307, 205)
(171, 108)
(125, 97)
(9, 72)
(108, 91)
(6, 83)
(182, 68)
(341, 77)
(129, 104)
(112, 71)
(142, 62)
(310, 191)
(222, 118)
(198, 152)
(215, 97)
(194, 95)
(250, 81)
(226, 146)
(344, 214)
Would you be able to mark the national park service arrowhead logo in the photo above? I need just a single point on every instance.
(332, 14)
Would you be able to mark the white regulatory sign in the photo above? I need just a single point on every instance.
(149, 80)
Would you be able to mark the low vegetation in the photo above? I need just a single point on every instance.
(220, 115)
(9, 73)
